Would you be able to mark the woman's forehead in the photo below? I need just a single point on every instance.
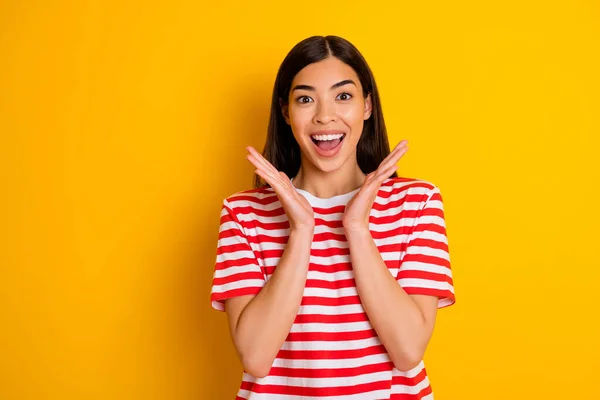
(324, 74)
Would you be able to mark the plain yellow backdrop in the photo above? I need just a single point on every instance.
(123, 126)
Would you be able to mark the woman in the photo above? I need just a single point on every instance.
(331, 280)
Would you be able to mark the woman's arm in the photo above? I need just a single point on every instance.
(259, 324)
(403, 322)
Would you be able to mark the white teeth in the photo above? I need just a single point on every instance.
(328, 137)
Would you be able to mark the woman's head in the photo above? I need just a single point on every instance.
(324, 85)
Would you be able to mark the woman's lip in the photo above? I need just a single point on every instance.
(332, 152)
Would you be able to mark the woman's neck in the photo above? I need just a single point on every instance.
(328, 184)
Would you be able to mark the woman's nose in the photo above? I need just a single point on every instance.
(325, 112)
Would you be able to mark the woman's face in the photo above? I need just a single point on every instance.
(326, 111)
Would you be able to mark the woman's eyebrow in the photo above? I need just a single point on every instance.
(337, 85)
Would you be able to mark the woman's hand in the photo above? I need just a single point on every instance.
(356, 215)
(298, 210)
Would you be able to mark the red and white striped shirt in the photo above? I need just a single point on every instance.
(332, 351)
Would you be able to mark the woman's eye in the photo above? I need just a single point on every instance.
(301, 98)
(348, 96)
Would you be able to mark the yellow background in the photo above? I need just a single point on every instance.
(123, 126)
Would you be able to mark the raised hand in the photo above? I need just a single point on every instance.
(356, 215)
(298, 210)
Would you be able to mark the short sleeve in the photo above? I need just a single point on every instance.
(237, 271)
(425, 266)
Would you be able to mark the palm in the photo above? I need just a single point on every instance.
(356, 215)
(298, 210)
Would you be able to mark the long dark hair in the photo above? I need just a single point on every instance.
(281, 148)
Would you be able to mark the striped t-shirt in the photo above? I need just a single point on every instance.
(332, 352)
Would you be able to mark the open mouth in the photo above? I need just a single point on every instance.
(328, 142)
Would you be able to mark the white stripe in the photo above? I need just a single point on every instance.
(405, 389)
(225, 226)
(427, 267)
(245, 283)
(223, 212)
(428, 251)
(377, 394)
(425, 283)
(330, 260)
(326, 382)
(229, 271)
(235, 255)
(332, 363)
(254, 232)
(332, 345)
(431, 219)
(411, 373)
(389, 212)
(262, 219)
(330, 276)
(390, 226)
(431, 235)
(435, 204)
(236, 203)
(229, 241)
(396, 239)
(331, 310)
(330, 293)
(318, 327)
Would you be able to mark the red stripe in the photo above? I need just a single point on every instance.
(328, 301)
(330, 372)
(237, 263)
(330, 336)
(238, 277)
(405, 274)
(404, 380)
(235, 293)
(330, 319)
(330, 354)
(321, 391)
(427, 259)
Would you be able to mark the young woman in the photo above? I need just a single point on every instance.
(331, 280)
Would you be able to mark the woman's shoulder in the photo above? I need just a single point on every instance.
(408, 186)
(255, 197)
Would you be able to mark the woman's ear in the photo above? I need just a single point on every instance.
(368, 107)
(284, 111)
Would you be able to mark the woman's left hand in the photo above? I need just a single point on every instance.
(358, 209)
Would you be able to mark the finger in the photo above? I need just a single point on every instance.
(267, 168)
(268, 177)
(259, 165)
(278, 181)
(386, 174)
(266, 174)
(394, 153)
(259, 157)
(395, 157)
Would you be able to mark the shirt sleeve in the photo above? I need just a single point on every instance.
(237, 271)
(425, 267)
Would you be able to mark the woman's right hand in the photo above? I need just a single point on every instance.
(298, 210)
